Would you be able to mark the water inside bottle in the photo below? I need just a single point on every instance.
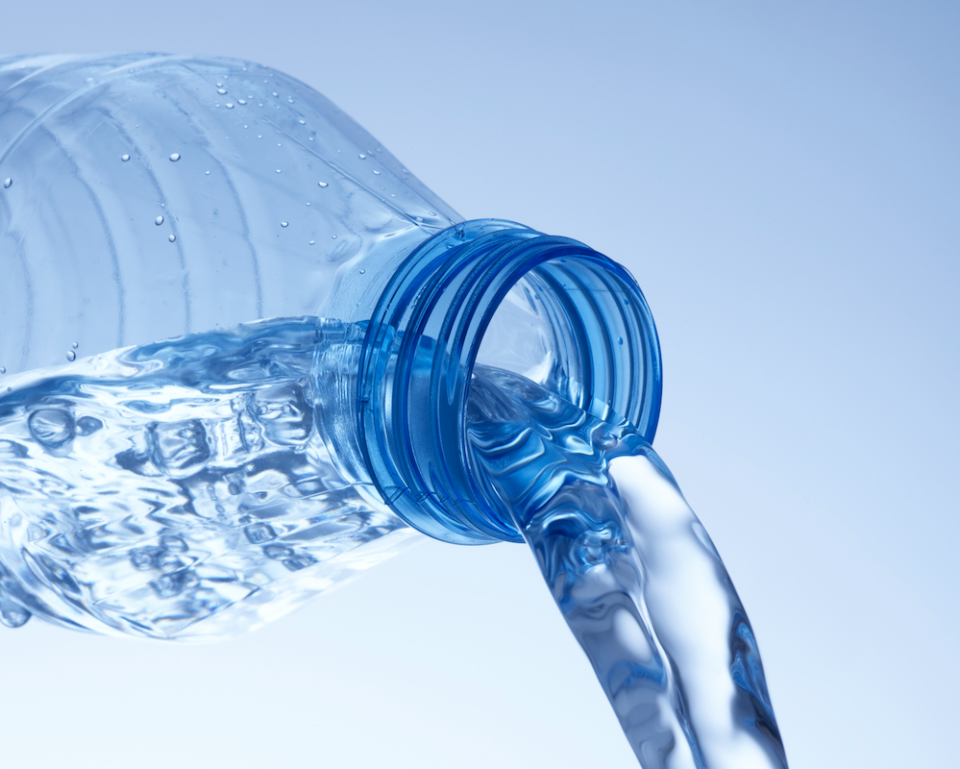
(182, 490)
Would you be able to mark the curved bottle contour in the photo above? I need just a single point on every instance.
(146, 196)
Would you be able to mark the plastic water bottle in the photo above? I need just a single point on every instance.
(245, 355)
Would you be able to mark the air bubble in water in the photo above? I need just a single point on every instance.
(124, 157)
(284, 224)
(158, 221)
(7, 182)
(71, 356)
(175, 157)
(171, 237)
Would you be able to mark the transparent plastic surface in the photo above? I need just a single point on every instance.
(313, 402)
(149, 196)
(182, 490)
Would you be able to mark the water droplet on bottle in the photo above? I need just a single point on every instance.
(172, 238)
(362, 156)
(312, 242)
(7, 182)
(219, 84)
(275, 93)
(278, 170)
(284, 224)
(3, 369)
(334, 237)
(259, 136)
(279, 144)
(376, 172)
(175, 157)
(75, 345)
(71, 356)
(229, 105)
(207, 173)
(158, 221)
(619, 340)
(241, 101)
(221, 90)
(290, 99)
(308, 202)
(302, 122)
(124, 157)
(322, 184)
(362, 271)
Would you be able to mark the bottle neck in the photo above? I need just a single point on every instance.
(423, 339)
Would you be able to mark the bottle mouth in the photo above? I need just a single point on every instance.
(602, 355)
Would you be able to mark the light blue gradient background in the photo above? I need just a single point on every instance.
(784, 182)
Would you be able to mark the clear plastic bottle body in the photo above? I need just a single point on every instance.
(152, 197)
(149, 196)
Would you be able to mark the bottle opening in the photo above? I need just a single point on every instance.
(549, 308)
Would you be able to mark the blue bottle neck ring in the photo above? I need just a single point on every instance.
(422, 342)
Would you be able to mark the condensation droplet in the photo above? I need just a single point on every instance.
(3, 369)
(619, 340)
(158, 221)
(172, 238)
(278, 170)
(207, 173)
(334, 237)
(71, 356)
(322, 184)
(259, 136)
(75, 345)
(284, 224)
(241, 101)
(124, 157)
(302, 122)
(376, 172)
(7, 182)
(175, 157)
(229, 105)
(275, 93)
(308, 202)
(362, 156)
(362, 271)
(221, 90)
